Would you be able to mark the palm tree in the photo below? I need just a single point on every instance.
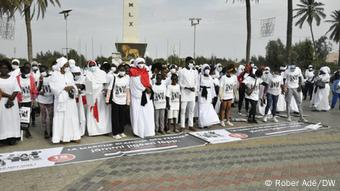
(248, 14)
(289, 32)
(335, 29)
(309, 10)
(28, 9)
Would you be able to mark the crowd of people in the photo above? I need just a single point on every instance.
(153, 99)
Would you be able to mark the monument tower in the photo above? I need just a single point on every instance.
(131, 47)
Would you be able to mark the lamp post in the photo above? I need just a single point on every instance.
(66, 13)
(194, 23)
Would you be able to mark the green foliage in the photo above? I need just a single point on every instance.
(302, 54)
(309, 10)
(48, 58)
(335, 27)
(275, 54)
(102, 59)
(79, 58)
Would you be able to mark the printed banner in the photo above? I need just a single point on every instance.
(268, 130)
(25, 114)
(16, 161)
(215, 136)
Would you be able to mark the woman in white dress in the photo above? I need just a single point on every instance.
(320, 100)
(207, 115)
(9, 109)
(66, 125)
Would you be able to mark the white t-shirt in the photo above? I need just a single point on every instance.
(47, 98)
(228, 84)
(188, 79)
(309, 75)
(292, 78)
(159, 97)
(250, 83)
(274, 84)
(173, 92)
(25, 89)
(122, 86)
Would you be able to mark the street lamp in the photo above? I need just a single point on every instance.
(66, 13)
(194, 23)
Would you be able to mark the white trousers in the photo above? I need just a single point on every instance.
(188, 106)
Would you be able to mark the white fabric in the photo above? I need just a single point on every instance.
(65, 120)
(250, 83)
(173, 114)
(15, 72)
(188, 79)
(25, 89)
(94, 83)
(36, 76)
(227, 86)
(207, 115)
(159, 97)
(122, 85)
(309, 75)
(187, 108)
(142, 117)
(47, 97)
(81, 106)
(320, 99)
(9, 118)
(173, 93)
(292, 78)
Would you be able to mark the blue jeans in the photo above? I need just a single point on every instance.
(271, 103)
(335, 98)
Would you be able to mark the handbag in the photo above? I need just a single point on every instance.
(113, 85)
(320, 84)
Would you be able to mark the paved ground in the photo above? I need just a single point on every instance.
(249, 165)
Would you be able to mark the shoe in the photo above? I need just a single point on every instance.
(289, 119)
(122, 135)
(222, 124)
(46, 135)
(239, 113)
(275, 119)
(302, 119)
(192, 129)
(77, 141)
(117, 137)
(230, 124)
(254, 121)
(265, 118)
(176, 130)
(162, 132)
(28, 134)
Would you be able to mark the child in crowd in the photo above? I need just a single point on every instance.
(160, 103)
(45, 100)
(173, 94)
(226, 92)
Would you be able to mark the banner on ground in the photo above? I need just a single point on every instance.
(22, 160)
(241, 133)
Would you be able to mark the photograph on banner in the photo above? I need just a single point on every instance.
(25, 114)
(273, 129)
(74, 154)
(216, 136)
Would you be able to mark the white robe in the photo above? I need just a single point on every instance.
(81, 107)
(142, 117)
(95, 97)
(320, 99)
(9, 118)
(207, 115)
(65, 121)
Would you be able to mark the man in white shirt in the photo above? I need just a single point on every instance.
(309, 84)
(293, 79)
(189, 86)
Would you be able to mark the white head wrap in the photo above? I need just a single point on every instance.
(325, 69)
(16, 60)
(75, 69)
(138, 60)
(72, 63)
(61, 62)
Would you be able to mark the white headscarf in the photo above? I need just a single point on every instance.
(61, 62)
(16, 60)
(75, 69)
(138, 61)
(325, 69)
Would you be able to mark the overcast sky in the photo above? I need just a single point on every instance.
(164, 25)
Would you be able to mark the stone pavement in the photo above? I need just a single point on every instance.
(249, 165)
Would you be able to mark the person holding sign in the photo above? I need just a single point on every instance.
(9, 109)
(28, 94)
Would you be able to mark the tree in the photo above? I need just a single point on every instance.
(302, 54)
(335, 29)
(322, 48)
(28, 9)
(289, 31)
(248, 15)
(309, 10)
(48, 58)
(275, 54)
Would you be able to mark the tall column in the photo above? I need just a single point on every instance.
(130, 21)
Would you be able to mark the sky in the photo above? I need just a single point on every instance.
(163, 24)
